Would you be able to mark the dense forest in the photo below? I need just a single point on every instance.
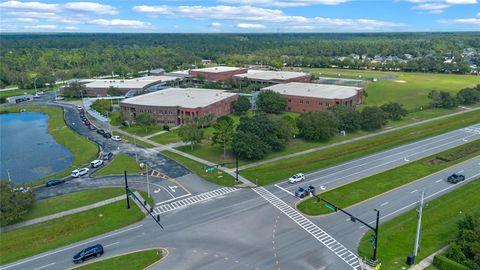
(48, 57)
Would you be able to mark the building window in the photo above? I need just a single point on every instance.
(289, 100)
(320, 103)
(301, 101)
(308, 102)
(328, 104)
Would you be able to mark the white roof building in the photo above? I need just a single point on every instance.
(217, 69)
(136, 83)
(180, 97)
(272, 76)
(315, 90)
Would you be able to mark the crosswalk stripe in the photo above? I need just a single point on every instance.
(311, 228)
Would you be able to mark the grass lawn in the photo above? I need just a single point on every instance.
(132, 261)
(142, 131)
(73, 200)
(347, 73)
(83, 150)
(120, 163)
(217, 176)
(115, 119)
(377, 184)
(28, 241)
(137, 142)
(19, 92)
(278, 170)
(438, 227)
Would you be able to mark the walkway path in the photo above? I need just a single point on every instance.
(62, 214)
(428, 260)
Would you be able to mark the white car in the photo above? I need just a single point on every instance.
(299, 177)
(96, 163)
(80, 172)
(116, 138)
(59, 98)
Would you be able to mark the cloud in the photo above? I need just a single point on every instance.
(70, 28)
(461, 2)
(32, 14)
(29, 6)
(285, 3)
(120, 23)
(41, 26)
(474, 21)
(431, 6)
(215, 24)
(29, 20)
(91, 7)
(250, 25)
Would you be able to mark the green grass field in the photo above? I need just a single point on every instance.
(217, 176)
(377, 184)
(118, 165)
(346, 73)
(438, 227)
(69, 201)
(19, 92)
(132, 261)
(83, 150)
(137, 142)
(278, 170)
(28, 241)
(142, 131)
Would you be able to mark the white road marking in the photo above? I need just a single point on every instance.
(406, 160)
(413, 191)
(173, 199)
(323, 237)
(173, 188)
(439, 180)
(465, 140)
(163, 208)
(116, 243)
(71, 247)
(45, 266)
(289, 192)
(461, 171)
(383, 204)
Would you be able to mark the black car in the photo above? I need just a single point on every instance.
(54, 182)
(107, 156)
(455, 178)
(87, 123)
(101, 131)
(107, 135)
(88, 253)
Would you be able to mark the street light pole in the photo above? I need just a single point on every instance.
(419, 226)
(148, 182)
(135, 145)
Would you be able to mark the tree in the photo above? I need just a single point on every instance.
(247, 145)
(348, 119)
(145, 119)
(468, 96)
(316, 126)
(14, 204)
(224, 131)
(74, 90)
(242, 105)
(441, 99)
(114, 91)
(191, 134)
(394, 110)
(103, 106)
(372, 118)
(466, 247)
(271, 102)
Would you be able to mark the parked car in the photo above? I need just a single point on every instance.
(36, 96)
(116, 138)
(59, 98)
(101, 131)
(304, 191)
(296, 178)
(88, 253)
(80, 172)
(455, 178)
(107, 135)
(107, 156)
(23, 189)
(91, 127)
(96, 163)
(87, 123)
(54, 182)
(79, 108)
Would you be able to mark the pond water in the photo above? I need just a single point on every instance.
(27, 151)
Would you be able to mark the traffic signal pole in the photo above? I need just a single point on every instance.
(126, 189)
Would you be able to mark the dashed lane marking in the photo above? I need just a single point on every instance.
(193, 200)
(472, 129)
(45, 266)
(343, 253)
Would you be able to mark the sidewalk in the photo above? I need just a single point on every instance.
(62, 214)
(428, 260)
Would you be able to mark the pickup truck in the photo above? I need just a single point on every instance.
(304, 191)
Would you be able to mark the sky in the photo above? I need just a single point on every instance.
(240, 16)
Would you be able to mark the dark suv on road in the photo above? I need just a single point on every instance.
(88, 253)
(54, 182)
(304, 191)
(455, 178)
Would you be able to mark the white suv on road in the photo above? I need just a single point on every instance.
(96, 163)
(299, 177)
(80, 172)
(116, 138)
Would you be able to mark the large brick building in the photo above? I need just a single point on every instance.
(149, 83)
(174, 106)
(304, 97)
(220, 73)
(273, 77)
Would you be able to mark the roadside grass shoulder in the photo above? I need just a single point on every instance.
(377, 184)
(440, 217)
(282, 169)
(73, 200)
(132, 261)
(83, 150)
(28, 241)
(118, 165)
(217, 176)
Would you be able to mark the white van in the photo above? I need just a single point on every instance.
(96, 163)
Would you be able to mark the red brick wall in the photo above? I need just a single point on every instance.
(307, 104)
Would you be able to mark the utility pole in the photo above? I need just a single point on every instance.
(419, 225)
(148, 182)
(126, 189)
(375, 244)
(135, 144)
(236, 167)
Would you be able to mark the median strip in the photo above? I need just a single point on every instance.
(377, 184)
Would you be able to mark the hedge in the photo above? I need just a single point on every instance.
(444, 263)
